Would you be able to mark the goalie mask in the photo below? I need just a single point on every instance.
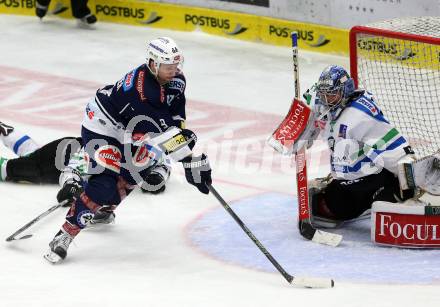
(334, 87)
(163, 50)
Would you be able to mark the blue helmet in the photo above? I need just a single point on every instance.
(334, 87)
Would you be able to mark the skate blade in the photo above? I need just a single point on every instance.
(52, 257)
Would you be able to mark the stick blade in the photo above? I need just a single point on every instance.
(327, 238)
(312, 282)
(12, 238)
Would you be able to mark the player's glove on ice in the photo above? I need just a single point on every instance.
(70, 191)
(198, 172)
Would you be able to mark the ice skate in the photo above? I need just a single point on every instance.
(87, 22)
(58, 247)
(5, 129)
(41, 10)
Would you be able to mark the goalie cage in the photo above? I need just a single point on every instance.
(399, 62)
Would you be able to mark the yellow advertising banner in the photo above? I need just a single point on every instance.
(404, 52)
(223, 23)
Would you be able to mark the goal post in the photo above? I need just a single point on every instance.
(398, 61)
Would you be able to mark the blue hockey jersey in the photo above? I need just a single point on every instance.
(137, 103)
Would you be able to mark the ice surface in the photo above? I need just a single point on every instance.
(237, 92)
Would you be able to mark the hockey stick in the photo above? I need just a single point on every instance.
(45, 213)
(296, 281)
(305, 226)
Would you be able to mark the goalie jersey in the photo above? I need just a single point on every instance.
(361, 139)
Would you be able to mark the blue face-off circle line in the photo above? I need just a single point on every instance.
(272, 217)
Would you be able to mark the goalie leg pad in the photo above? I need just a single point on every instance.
(321, 216)
(412, 224)
(423, 173)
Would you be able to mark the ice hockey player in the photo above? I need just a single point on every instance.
(146, 105)
(365, 151)
(42, 165)
(34, 164)
(80, 11)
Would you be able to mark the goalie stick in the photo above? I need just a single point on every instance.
(305, 226)
(32, 222)
(307, 282)
(282, 139)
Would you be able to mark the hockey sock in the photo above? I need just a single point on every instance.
(20, 143)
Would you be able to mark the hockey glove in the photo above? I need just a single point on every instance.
(155, 180)
(198, 172)
(70, 191)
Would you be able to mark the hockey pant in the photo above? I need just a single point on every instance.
(45, 164)
(79, 7)
(348, 199)
(111, 180)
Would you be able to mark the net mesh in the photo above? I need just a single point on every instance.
(425, 26)
(404, 76)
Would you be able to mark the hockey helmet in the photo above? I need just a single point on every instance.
(163, 50)
(335, 86)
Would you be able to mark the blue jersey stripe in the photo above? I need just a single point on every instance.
(19, 142)
(351, 169)
(367, 111)
(396, 143)
(356, 167)
(392, 146)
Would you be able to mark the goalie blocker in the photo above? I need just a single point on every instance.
(296, 130)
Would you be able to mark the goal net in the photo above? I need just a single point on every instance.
(399, 62)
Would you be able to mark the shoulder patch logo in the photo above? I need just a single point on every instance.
(129, 80)
(370, 106)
